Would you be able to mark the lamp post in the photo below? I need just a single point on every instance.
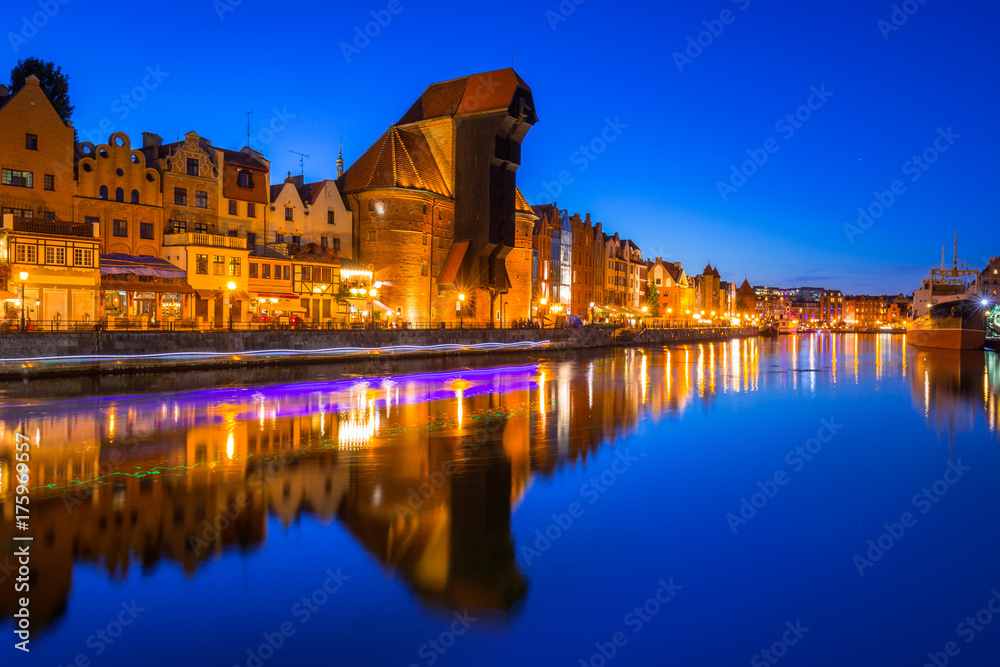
(372, 293)
(24, 277)
(461, 313)
(543, 301)
(229, 295)
(591, 312)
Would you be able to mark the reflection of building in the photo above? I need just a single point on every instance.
(950, 387)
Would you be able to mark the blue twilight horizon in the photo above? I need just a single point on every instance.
(747, 134)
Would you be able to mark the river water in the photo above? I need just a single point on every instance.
(810, 500)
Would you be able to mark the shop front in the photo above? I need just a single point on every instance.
(145, 292)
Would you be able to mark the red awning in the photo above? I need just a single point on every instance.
(449, 271)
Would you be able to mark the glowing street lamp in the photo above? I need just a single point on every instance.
(458, 307)
(24, 278)
(229, 295)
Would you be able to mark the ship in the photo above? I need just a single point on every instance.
(954, 319)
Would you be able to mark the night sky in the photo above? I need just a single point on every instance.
(680, 116)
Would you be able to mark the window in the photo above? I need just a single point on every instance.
(251, 239)
(232, 207)
(55, 255)
(326, 308)
(423, 269)
(244, 179)
(50, 215)
(120, 228)
(253, 269)
(49, 182)
(192, 166)
(329, 218)
(235, 267)
(201, 265)
(119, 194)
(265, 270)
(251, 210)
(297, 240)
(200, 199)
(26, 253)
(201, 227)
(180, 226)
(135, 196)
(306, 274)
(234, 233)
(279, 238)
(286, 272)
(91, 219)
(323, 242)
(336, 243)
(424, 238)
(288, 213)
(327, 275)
(22, 179)
(218, 265)
(180, 197)
(145, 230)
(83, 257)
(31, 142)
(371, 235)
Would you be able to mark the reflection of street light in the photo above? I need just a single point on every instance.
(24, 277)
(229, 296)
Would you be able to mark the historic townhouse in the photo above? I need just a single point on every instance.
(600, 273)
(583, 266)
(436, 206)
(50, 266)
(676, 297)
(215, 262)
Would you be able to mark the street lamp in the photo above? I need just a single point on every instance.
(24, 277)
(229, 295)
(373, 292)
(461, 313)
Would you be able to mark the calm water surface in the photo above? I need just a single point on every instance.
(831, 500)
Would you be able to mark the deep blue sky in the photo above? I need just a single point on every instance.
(657, 182)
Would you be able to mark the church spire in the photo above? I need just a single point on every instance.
(340, 161)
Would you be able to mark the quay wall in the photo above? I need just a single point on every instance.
(30, 346)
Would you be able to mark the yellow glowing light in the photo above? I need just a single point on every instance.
(461, 297)
(231, 285)
(544, 301)
(24, 276)
(230, 446)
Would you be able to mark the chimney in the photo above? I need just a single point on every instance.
(33, 80)
(4, 90)
(151, 139)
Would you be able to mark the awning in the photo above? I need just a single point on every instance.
(381, 306)
(239, 295)
(4, 295)
(139, 265)
(360, 304)
(206, 294)
(284, 305)
(449, 270)
(133, 286)
(259, 295)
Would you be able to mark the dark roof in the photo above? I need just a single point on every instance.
(242, 159)
(399, 159)
(521, 204)
(477, 93)
(276, 190)
(309, 192)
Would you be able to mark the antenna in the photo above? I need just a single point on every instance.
(302, 161)
(248, 128)
(955, 266)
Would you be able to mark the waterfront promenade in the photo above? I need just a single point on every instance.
(99, 352)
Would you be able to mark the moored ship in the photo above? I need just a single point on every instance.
(952, 319)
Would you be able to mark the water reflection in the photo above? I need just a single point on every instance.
(423, 469)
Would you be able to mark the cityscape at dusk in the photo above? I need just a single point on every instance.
(446, 334)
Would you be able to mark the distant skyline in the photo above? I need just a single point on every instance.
(644, 111)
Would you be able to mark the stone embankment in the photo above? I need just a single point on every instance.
(34, 354)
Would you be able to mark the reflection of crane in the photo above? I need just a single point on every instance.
(302, 161)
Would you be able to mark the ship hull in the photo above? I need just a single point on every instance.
(952, 325)
(947, 339)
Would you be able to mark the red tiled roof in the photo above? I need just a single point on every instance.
(521, 204)
(449, 270)
(309, 192)
(486, 91)
(399, 159)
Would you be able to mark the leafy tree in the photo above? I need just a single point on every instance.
(54, 83)
(653, 300)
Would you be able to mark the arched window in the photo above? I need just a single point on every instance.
(135, 196)
(119, 195)
(104, 192)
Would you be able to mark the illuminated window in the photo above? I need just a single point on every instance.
(26, 253)
(235, 267)
(55, 255)
(83, 257)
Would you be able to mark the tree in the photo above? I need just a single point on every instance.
(653, 300)
(54, 83)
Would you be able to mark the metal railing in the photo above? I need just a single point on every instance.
(53, 227)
